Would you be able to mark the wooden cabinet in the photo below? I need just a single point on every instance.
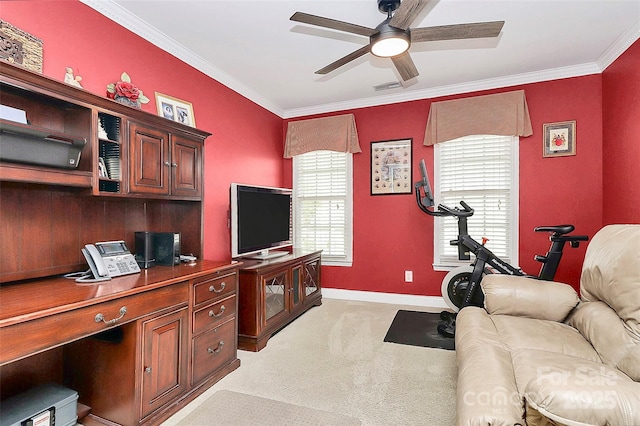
(130, 372)
(137, 172)
(164, 157)
(149, 166)
(163, 163)
(214, 326)
(186, 161)
(175, 337)
(273, 293)
(164, 359)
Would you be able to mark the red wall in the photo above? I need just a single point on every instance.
(392, 235)
(99, 50)
(621, 142)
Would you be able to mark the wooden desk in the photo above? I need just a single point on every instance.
(154, 312)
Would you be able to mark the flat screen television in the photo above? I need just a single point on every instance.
(260, 221)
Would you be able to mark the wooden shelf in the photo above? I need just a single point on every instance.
(15, 172)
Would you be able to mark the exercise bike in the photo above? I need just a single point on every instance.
(461, 287)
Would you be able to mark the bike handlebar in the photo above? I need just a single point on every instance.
(448, 211)
(443, 210)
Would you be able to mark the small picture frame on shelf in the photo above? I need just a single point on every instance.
(102, 168)
(559, 139)
(391, 167)
(175, 109)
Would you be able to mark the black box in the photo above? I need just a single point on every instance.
(144, 249)
(166, 248)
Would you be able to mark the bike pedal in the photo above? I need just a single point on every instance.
(447, 329)
(447, 316)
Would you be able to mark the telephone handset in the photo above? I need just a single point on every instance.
(107, 260)
(96, 265)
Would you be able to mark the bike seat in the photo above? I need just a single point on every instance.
(558, 229)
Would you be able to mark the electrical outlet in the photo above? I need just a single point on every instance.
(408, 276)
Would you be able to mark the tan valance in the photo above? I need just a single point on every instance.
(504, 114)
(336, 133)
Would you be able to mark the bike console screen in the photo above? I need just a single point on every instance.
(427, 200)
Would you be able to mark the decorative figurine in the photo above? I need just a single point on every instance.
(70, 79)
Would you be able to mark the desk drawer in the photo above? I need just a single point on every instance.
(27, 338)
(212, 350)
(213, 287)
(214, 314)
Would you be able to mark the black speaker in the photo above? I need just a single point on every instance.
(166, 248)
(144, 249)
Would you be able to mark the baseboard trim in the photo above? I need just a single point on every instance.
(391, 298)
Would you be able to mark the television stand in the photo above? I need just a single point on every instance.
(273, 293)
(266, 255)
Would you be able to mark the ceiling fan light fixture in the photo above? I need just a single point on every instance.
(389, 41)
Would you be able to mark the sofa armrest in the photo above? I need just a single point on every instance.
(528, 297)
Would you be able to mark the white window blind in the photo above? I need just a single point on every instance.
(323, 219)
(482, 171)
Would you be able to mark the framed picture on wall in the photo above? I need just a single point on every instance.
(391, 167)
(559, 139)
(175, 109)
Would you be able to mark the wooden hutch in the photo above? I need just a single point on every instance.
(136, 348)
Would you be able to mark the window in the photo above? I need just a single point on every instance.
(323, 213)
(482, 171)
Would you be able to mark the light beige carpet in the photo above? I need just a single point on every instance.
(334, 358)
(239, 409)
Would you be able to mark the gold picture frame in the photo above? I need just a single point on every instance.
(559, 139)
(175, 109)
(391, 167)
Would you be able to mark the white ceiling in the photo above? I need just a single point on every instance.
(253, 47)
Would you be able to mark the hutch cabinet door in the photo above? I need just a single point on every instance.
(186, 165)
(164, 359)
(149, 166)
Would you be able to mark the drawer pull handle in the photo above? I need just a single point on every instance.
(147, 370)
(100, 317)
(216, 350)
(213, 289)
(213, 314)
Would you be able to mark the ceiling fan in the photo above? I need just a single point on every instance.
(393, 37)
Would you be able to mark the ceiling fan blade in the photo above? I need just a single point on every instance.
(405, 66)
(457, 31)
(407, 12)
(332, 24)
(344, 60)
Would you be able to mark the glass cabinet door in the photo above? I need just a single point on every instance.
(274, 293)
(311, 276)
(296, 280)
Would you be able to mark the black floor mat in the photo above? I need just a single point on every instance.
(418, 329)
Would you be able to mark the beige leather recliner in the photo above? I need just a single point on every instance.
(539, 355)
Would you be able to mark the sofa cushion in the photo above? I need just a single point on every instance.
(607, 333)
(576, 391)
(551, 336)
(527, 297)
(611, 272)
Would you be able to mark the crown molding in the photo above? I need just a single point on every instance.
(139, 27)
(454, 89)
(621, 44)
(121, 16)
